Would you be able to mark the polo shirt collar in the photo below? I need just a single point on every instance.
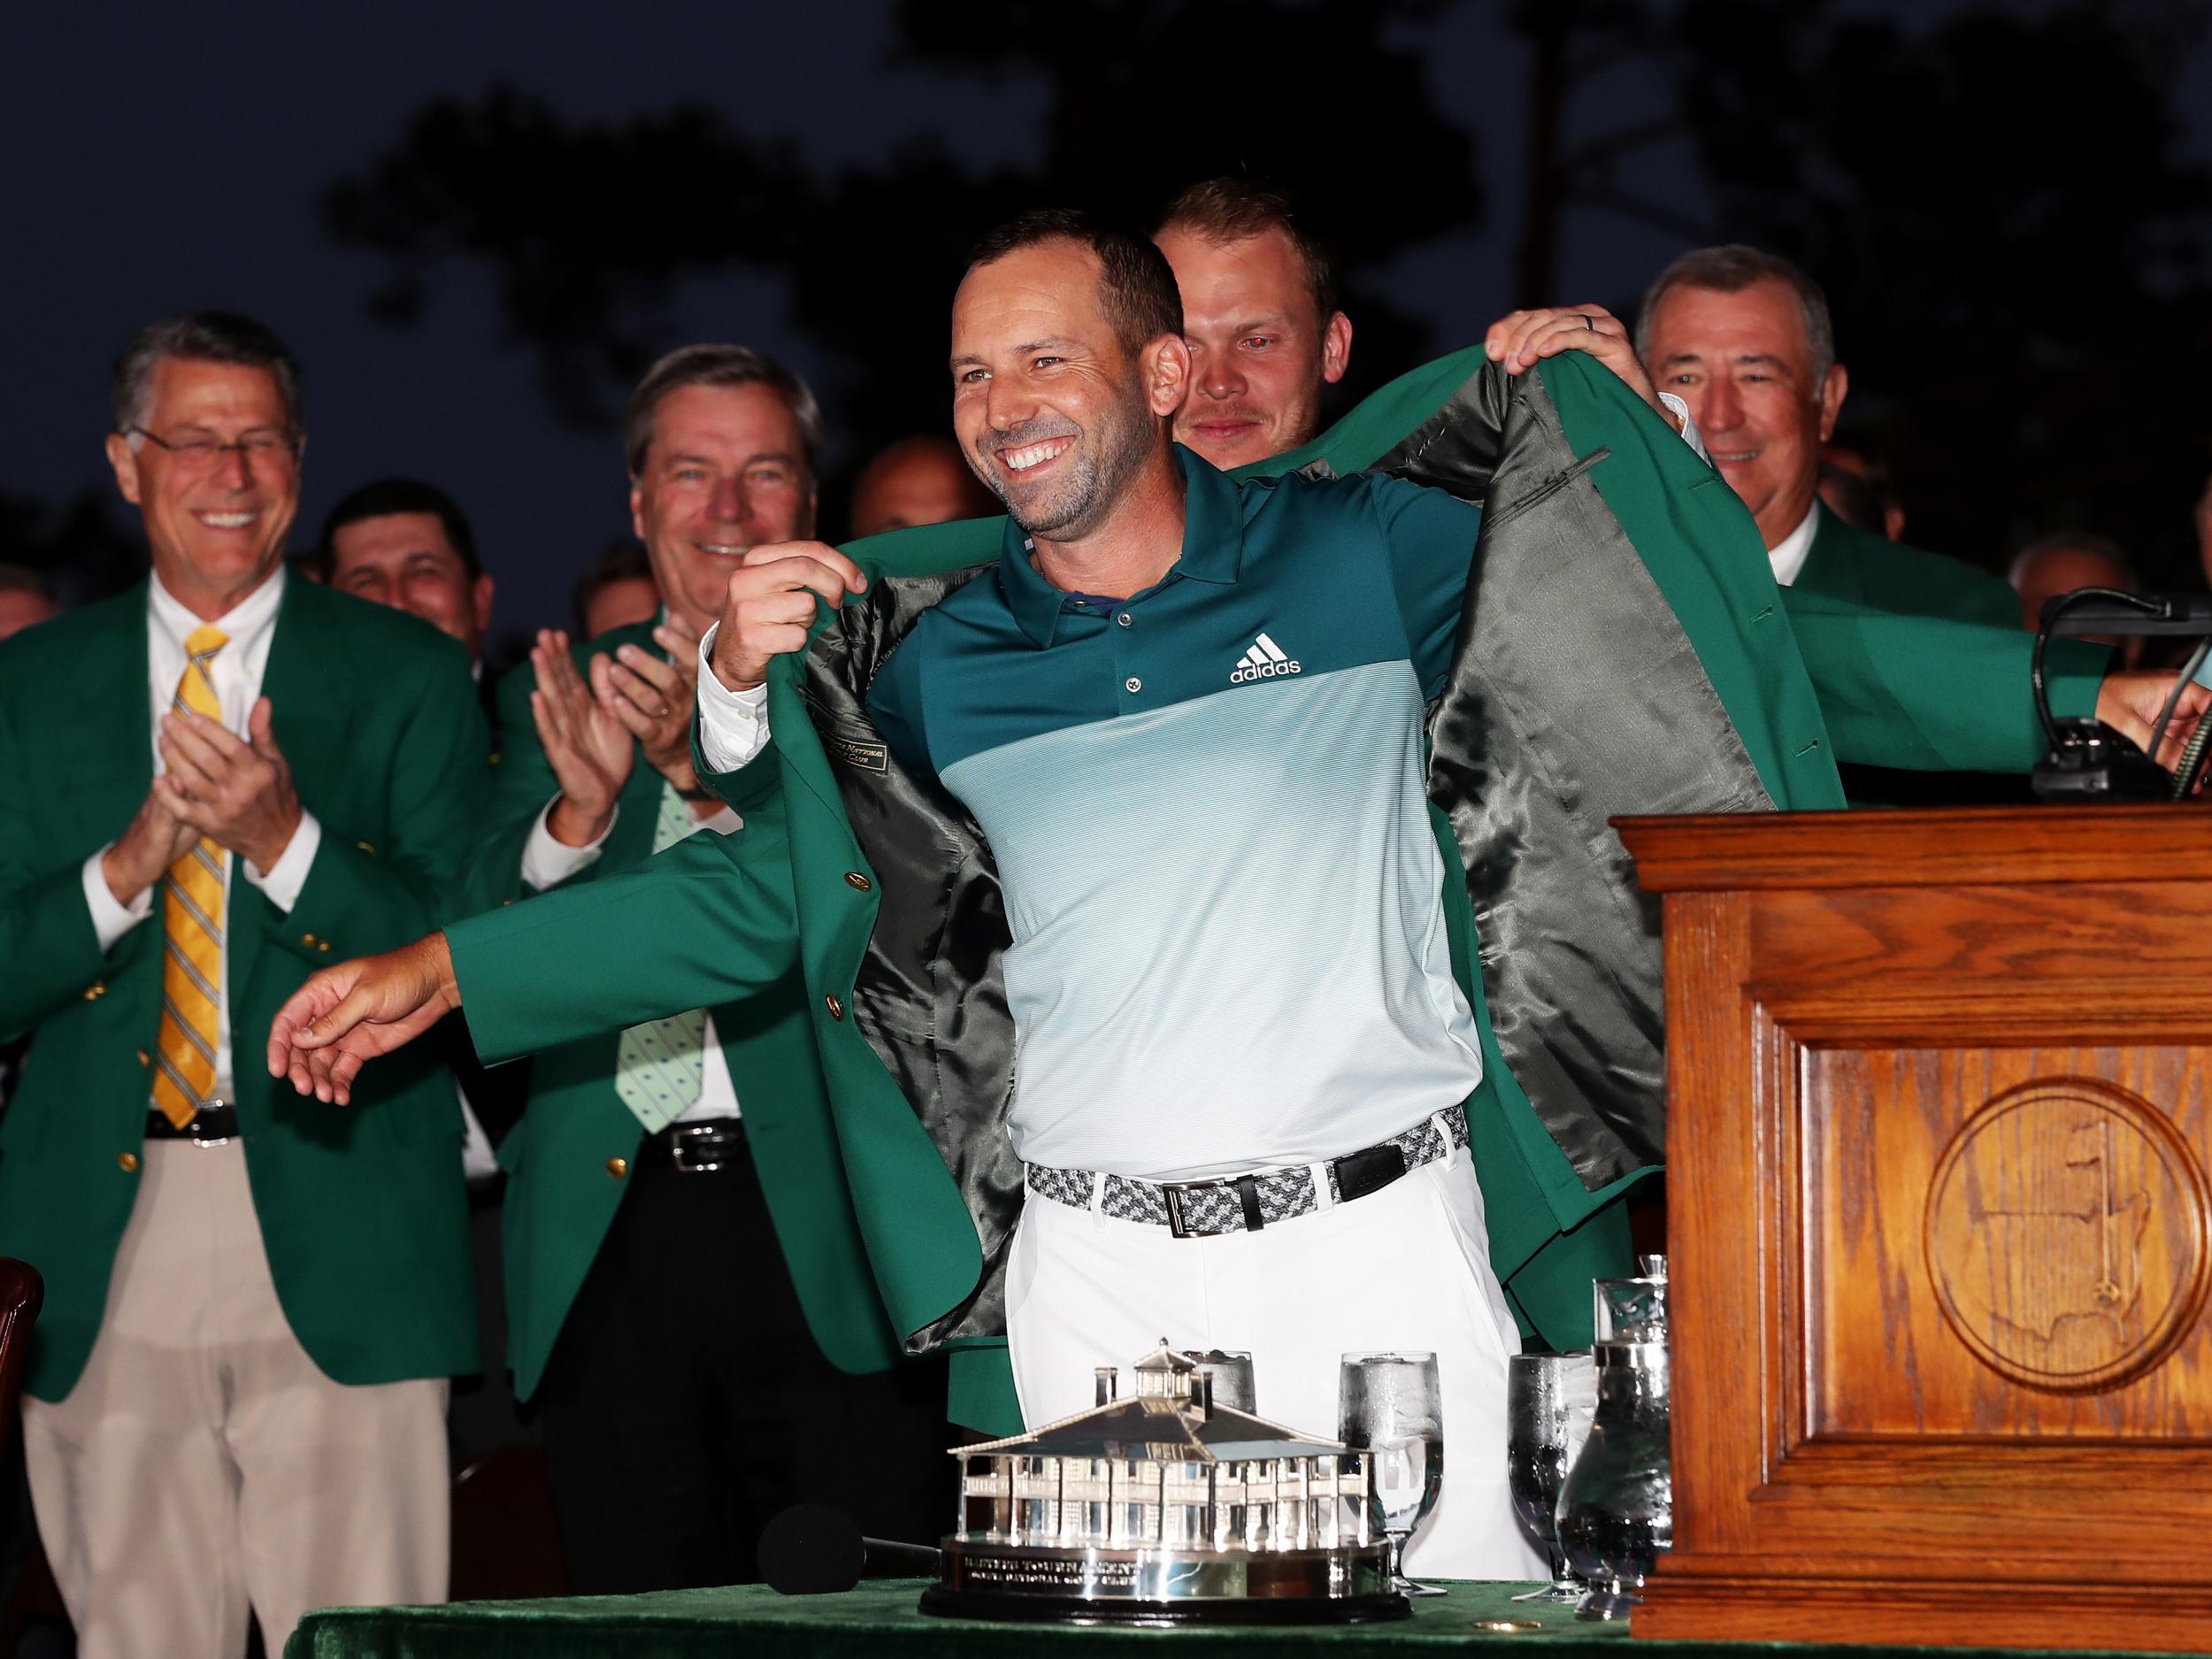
(1213, 548)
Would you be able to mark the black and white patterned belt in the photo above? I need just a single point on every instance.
(1245, 1203)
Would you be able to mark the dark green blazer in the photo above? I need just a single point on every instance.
(873, 1212)
(561, 1157)
(1845, 563)
(363, 1211)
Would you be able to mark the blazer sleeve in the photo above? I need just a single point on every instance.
(1928, 694)
(363, 898)
(46, 935)
(708, 921)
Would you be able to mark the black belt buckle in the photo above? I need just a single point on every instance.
(701, 1149)
(214, 1124)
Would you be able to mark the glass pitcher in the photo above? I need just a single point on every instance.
(1616, 1511)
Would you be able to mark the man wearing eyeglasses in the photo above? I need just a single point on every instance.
(210, 786)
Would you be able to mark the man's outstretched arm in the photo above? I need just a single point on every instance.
(1931, 693)
(708, 921)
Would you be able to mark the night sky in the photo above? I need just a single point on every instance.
(164, 157)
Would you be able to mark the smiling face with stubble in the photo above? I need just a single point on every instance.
(1050, 404)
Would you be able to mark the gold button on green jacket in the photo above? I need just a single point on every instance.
(1623, 649)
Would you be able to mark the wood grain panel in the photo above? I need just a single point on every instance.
(1940, 1118)
(1942, 847)
(2052, 1279)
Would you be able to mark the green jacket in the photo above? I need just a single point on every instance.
(567, 1159)
(1845, 563)
(362, 1212)
(1617, 578)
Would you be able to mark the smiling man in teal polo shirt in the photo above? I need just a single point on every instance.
(1187, 714)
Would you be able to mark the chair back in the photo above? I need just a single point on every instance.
(506, 1543)
(23, 1292)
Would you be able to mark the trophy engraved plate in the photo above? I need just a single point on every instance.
(2066, 1235)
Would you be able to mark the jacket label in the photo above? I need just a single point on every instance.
(864, 757)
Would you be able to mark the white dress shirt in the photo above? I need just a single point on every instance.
(547, 863)
(235, 674)
(1788, 555)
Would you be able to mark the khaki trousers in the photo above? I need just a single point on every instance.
(204, 1463)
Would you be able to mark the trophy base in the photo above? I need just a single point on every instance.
(1161, 1588)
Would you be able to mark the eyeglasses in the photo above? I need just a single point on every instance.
(257, 449)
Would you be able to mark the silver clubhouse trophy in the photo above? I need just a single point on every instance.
(1166, 1507)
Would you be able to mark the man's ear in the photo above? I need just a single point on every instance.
(1831, 393)
(637, 511)
(813, 508)
(1336, 347)
(481, 601)
(124, 460)
(1167, 373)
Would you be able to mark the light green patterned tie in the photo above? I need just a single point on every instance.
(660, 1065)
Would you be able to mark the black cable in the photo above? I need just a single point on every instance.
(2055, 609)
(2173, 698)
(2192, 758)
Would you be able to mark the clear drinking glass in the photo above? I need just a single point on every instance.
(1231, 1370)
(1389, 1405)
(1549, 1400)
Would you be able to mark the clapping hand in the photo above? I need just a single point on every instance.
(654, 700)
(237, 791)
(154, 839)
(588, 749)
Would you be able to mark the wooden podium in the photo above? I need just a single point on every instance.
(1939, 1120)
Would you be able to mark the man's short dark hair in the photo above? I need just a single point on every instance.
(203, 337)
(624, 562)
(719, 365)
(1732, 268)
(1231, 210)
(1137, 289)
(389, 495)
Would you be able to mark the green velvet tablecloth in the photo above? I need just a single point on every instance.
(752, 1622)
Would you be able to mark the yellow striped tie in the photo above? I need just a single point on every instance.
(192, 920)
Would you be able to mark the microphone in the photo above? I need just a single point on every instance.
(813, 1549)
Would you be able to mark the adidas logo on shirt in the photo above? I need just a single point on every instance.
(1264, 661)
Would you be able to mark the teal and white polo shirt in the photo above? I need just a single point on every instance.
(1206, 802)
